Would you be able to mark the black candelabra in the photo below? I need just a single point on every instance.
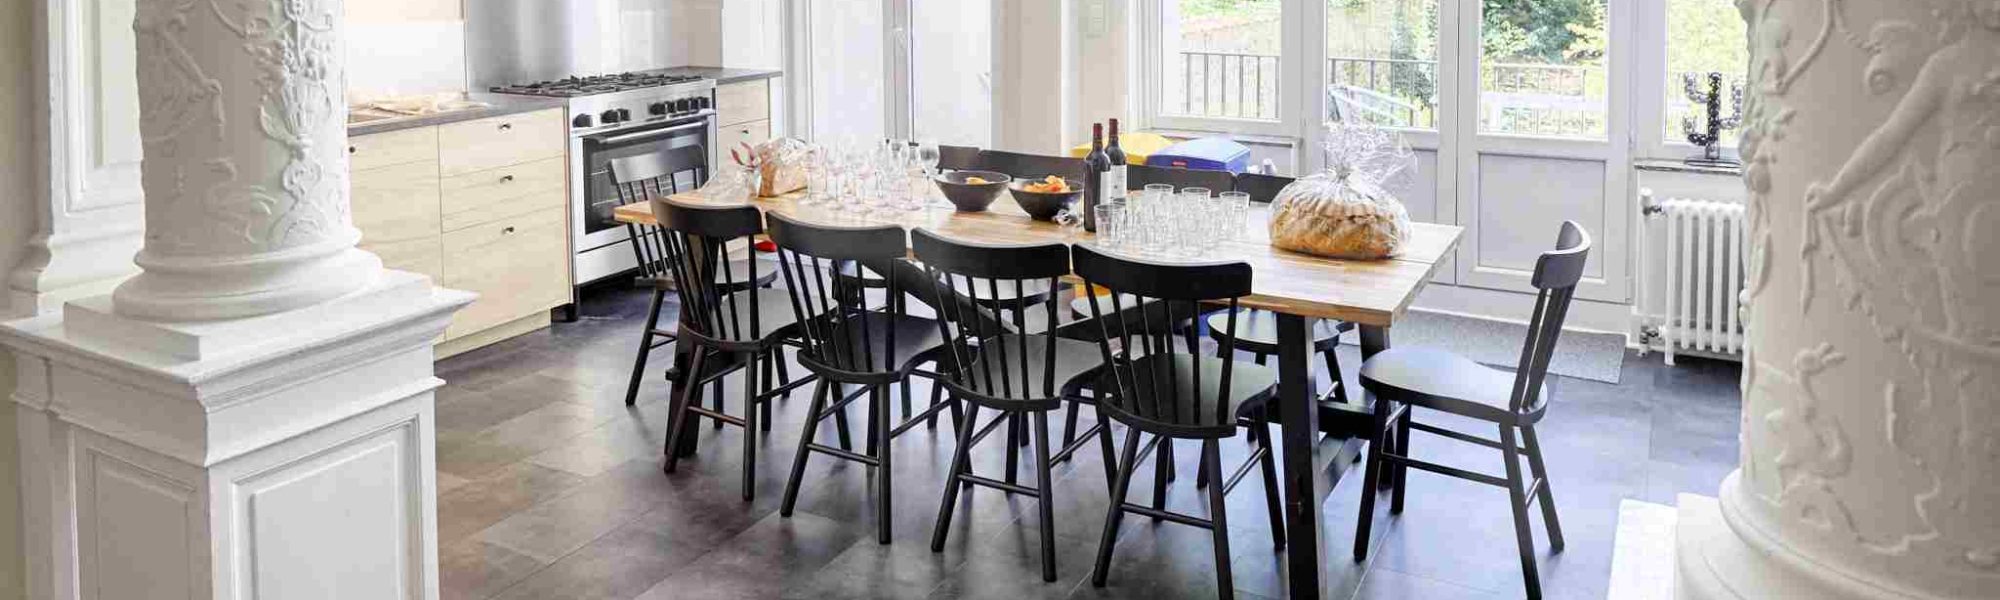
(1710, 137)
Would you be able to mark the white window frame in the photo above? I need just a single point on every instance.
(1295, 28)
(1650, 86)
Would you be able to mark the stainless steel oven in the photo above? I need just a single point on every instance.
(602, 247)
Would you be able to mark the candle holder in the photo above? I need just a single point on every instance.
(1709, 138)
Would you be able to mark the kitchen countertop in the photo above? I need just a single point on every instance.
(501, 104)
(727, 75)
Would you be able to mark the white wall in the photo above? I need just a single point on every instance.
(1035, 81)
(17, 220)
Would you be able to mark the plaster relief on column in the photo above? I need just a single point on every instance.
(1872, 383)
(245, 170)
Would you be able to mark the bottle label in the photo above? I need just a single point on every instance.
(1114, 183)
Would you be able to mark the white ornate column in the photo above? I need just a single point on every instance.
(243, 120)
(251, 416)
(1871, 388)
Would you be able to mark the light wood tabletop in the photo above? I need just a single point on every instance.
(1366, 292)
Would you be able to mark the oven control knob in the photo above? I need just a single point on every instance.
(624, 114)
(704, 102)
(609, 116)
(684, 105)
(657, 109)
(581, 121)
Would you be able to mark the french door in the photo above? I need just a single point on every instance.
(916, 69)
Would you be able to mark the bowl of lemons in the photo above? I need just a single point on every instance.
(1044, 198)
(972, 191)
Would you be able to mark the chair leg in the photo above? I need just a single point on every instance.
(716, 391)
(1116, 512)
(784, 372)
(937, 395)
(1069, 426)
(764, 387)
(1273, 502)
(677, 416)
(884, 472)
(645, 347)
(1104, 442)
(961, 462)
(1371, 475)
(874, 411)
(1218, 516)
(1547, 497)
(1044, 485)
(1518, 499)
(1163, 473)
(838, 393)
(1014, 442)
(1400, 474)
(1262, 358)
(799, 457)
(750, 425)
(907, 404)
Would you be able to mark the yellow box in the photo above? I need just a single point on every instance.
(1138, 146)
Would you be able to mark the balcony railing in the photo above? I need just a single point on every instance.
(1516, 98)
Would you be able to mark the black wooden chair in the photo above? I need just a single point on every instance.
(848, 341)
(1139, 176)
(1256, 332)
(1403, 379)
(992, 361)
(1262, 188)
(1034, 166)
(641, 178)
(1158, 382)
(958, 158)
(730, 323)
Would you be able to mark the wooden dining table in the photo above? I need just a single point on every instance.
(1320, 437)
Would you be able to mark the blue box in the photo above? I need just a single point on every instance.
(1204, 154)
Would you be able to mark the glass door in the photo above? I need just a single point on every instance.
(951, 71)
(849, 69)
(1544, 139)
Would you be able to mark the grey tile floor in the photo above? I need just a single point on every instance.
(551, 488)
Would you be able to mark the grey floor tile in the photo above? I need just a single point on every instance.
(474, 570)
(481, 502)
(763, 561)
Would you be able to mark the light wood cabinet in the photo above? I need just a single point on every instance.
(743, 102)
(478, 205)
(733, 136)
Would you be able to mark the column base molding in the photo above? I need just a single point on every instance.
(1717, 561)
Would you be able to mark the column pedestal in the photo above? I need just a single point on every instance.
(285, 456)
(1870, 464)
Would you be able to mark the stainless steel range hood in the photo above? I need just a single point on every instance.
(521, 41)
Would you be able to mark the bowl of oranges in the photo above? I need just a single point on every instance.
(972, 191)
(1044, 198)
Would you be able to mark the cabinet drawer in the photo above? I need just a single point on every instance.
(393, 148)
(743, 102)
(517, 265)
(396, 208)
(483, 196)
(495, 142)
(733, 136)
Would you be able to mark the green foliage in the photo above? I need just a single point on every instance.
(1209, 8)
(1543, 31)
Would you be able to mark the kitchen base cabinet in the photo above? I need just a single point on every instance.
(480, 206)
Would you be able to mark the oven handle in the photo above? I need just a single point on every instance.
(648, 134)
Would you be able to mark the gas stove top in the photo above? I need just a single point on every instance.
(572, 87)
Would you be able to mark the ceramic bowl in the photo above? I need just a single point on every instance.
(1043, 206)
(972, 197)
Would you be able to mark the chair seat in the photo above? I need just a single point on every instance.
(739, 272)
(1002, 294)
(1081, 305)
(871, 352)
(774, 317)
(865, 276)
(1444, 381)
(1008, 373)
(1167, 401)
(1257, 330)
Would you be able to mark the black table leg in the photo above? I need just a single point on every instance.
(1306, 485)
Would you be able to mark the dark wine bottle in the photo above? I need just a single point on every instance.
(1114, 181)
(1095, 165)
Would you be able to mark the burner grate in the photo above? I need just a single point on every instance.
(570, 87)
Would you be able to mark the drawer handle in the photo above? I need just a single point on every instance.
(506, 179)
(508, 230)
(506, 126)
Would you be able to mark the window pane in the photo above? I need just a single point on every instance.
(1703, 36)
(951, 70)
(1220, 58)
(1382, 62)
(848, 71)
(1541, 69)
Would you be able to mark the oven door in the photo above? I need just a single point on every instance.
(596, 231)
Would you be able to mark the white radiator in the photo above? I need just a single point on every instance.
(1694, 277)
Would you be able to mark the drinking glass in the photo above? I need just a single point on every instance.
(1111, 225)
(1237, 214)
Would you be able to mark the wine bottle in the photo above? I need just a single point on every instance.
(1095, 165)
(1114, 181)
